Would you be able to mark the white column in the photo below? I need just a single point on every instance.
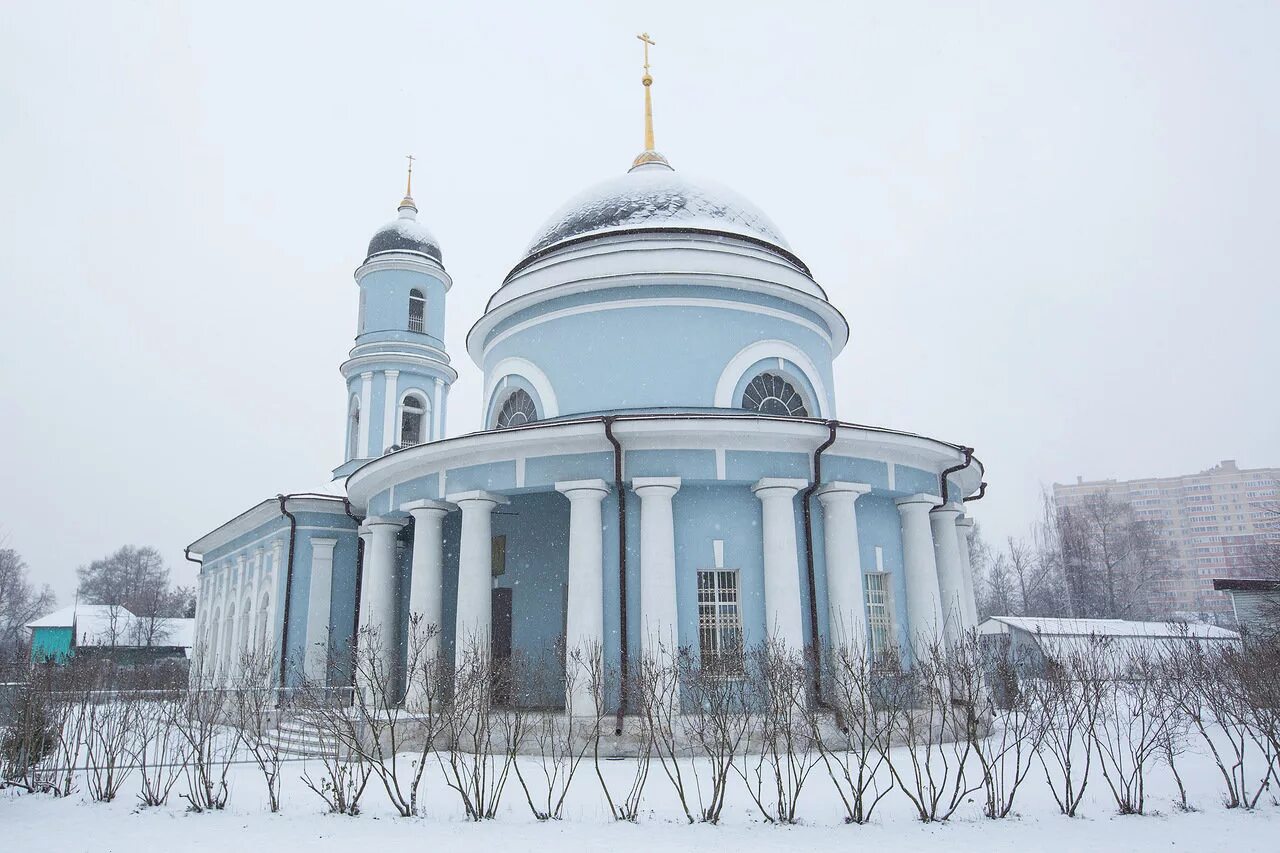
(584, 620)
(964, 528)
(946, 551)
(920, 570)
(436, 407)
(783, 623)
(366, 542)
(426, 578)
(378, 592)
(366, 413)
(846, 600)
(658, 615)
(315, 661)
(390, 390)
(233, 647)
(277, 593)
(474, 630)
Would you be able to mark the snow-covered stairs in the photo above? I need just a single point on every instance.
(300, 739)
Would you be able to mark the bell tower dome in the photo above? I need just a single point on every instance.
(398, 373)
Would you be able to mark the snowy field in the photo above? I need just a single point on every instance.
(41, 822)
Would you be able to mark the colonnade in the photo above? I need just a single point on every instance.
(938, 579)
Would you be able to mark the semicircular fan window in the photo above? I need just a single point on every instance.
(517, 409)
(770, 394)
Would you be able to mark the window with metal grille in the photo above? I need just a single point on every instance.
(417, 310)
(412, 415)
(770, 394)
(879, 616)
(517, 409)
(719, 621)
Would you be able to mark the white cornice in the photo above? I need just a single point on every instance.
(361, 363)
(657, 432)
(258, 515)
(405, 261)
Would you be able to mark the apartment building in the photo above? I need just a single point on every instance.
(1210, 521)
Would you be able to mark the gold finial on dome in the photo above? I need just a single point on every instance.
(648, 155)
(407, 201)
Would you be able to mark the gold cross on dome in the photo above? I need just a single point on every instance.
(408, 187)
(648, 42)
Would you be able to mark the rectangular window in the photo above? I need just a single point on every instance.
(879, 616)
(719, 620)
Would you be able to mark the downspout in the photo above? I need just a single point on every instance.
(288, 585)
(982, 493)
(355, 617)
(620, 488)
(944, 488)
(806, 505)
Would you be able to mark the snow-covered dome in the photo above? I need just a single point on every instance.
(405, 234)
(653, 196)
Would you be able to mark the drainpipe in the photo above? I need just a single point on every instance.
(806, 505)
(620, 488)
(288, 585)
(943, 486)
(982, 493)
(355, 617)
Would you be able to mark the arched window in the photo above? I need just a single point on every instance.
(413, 413)
(770, 394)
(417, 310)
(353, 430)
(517, 409)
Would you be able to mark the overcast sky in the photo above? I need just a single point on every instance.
(1053, 228)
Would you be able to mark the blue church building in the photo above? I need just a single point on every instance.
(661, 464)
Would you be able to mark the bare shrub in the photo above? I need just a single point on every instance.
(1069, 698)
(1130, 726)
(210, 743)
(854, 761)
(623, 804)
(1007, 724)
(658, 689)
(931, 768)
(255, 715)
(484, 738)
(778, 749)
(560, 741)
(157, 748)
(30, 734)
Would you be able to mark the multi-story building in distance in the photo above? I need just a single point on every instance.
(1211, 522)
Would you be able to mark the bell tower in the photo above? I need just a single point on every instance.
(398, 373)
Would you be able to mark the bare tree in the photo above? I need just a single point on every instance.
(20, 601)
(257, 715)
(1130, 727)
(112, 718)
(658, 686)
(210, 743)
(1110, 558)
(136, 579)
(158, 750)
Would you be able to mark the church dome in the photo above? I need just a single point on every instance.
(405, 234)
(654, 197)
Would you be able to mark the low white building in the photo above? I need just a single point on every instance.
(1030, 641)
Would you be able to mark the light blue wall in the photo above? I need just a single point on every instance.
(386, 305)
(640, 357)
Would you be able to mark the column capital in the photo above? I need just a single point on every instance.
(577, 489)
(427, 506)
(840, 489)
(921, 501)
(655, 485)
(366, 374)
(944, 509)
(391, 374)
(476, 496)
(323, 542)
(380, 520)
(965, 522)
(783, 484)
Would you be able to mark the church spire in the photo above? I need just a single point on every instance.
(407, 201)
(648, 155)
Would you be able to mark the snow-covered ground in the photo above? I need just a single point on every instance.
(41, 822)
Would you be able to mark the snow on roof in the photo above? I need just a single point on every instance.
(1056, 627)
(107, 625)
